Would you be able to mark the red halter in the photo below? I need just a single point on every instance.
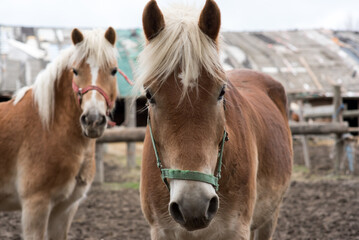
(82, 91)
(125, 77)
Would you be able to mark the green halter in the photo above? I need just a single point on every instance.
(187, 174)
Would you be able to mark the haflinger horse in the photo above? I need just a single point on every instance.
(48, 131)
(212, 188)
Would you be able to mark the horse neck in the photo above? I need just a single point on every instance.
(67, 111)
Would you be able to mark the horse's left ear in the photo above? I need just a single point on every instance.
(76, 36)
(210, 19)
(110, 35)
(152, 20)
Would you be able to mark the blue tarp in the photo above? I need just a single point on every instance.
(129, 45)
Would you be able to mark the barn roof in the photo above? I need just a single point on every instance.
(306, 62)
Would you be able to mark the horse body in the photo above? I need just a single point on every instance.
(36, 185)
(256, 164)
(47, 160)
(188, 116)
(260, 106)
(25, 155)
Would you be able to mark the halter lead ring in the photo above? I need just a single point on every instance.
(187, 174)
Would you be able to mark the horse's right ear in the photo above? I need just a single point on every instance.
(152, 20)
(76, 36)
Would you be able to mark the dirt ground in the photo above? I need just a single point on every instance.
(318, 205)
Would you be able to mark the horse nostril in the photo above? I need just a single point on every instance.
(212, 208)
(102, 120)
(84, 119)
(176, 213)
(94, 120)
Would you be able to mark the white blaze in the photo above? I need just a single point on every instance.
(94, 103)
(94, 75)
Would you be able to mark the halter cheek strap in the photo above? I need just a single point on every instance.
(187, 174)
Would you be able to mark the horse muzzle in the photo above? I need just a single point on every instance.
(93, 124)
(193, 206)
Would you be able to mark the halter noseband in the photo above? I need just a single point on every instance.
(188, 174)
(82, 91)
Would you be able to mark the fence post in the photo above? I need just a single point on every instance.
(304, 139)
(130, 121)
(99, 152)
(338, 117)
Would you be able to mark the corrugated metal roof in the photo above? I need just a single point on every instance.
(303, 61)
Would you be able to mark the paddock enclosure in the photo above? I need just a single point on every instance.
(323, 199)
(317, 206)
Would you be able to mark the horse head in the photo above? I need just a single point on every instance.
(94, 79)
(185, 85)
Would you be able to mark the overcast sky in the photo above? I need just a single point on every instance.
(237, 15)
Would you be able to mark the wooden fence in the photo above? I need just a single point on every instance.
(336, 112)
(137, 134)
(303, 128)
(133, 134)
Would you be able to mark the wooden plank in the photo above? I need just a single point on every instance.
(310, 111)
(137, 134)
(319, 128)
(351, 113)
(354, 129)
(346, 114)
(338, 118)
(311, 73)
(122, 134)
(130, 108)
(100, 175)
(304, 139)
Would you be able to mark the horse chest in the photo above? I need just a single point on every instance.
(77, 187)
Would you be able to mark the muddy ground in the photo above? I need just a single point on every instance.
(318, 205)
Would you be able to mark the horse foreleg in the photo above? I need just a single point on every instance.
(252, 236)
(266, 231)
(60, 221)
(244, 232)
(35, 215)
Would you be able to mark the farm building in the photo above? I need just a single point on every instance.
(306, 62)
(24, 53)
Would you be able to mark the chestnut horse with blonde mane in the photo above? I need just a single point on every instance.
(194, 183)
(47, 135)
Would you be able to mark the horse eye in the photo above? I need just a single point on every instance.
(114, 71)
(75, 71)
(149, 97)
(223, 91)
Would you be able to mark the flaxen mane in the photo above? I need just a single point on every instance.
(180, 48)
(94, 47)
